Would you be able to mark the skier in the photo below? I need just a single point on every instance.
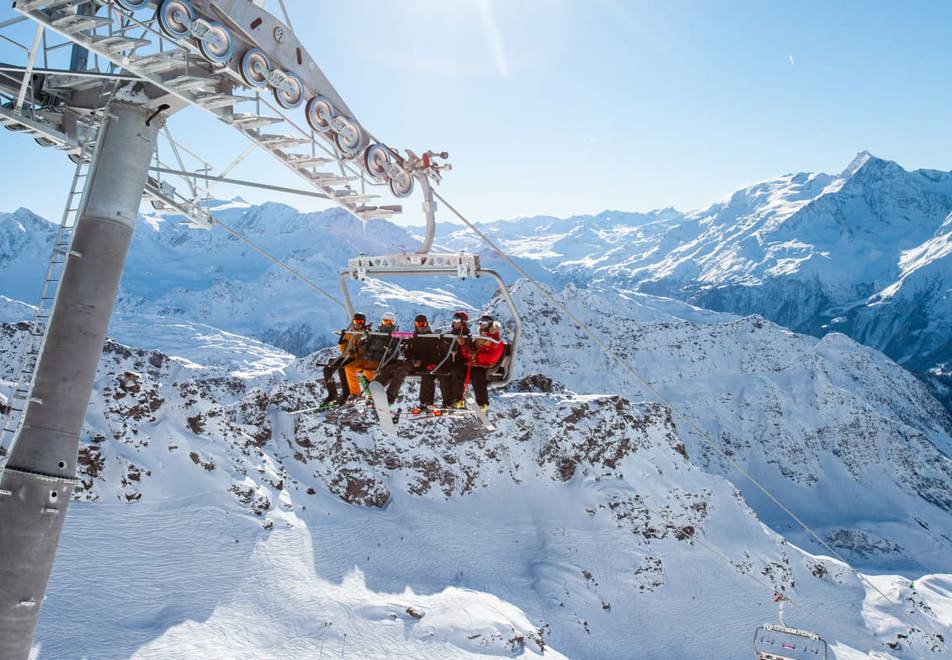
(427, 381)
(452, 383)
(481, 355)
(393, 375)
(349, 344)
(375, 349)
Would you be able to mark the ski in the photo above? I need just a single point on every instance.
(431, 413)
(321, 408)
(473, 407)
(379, 395)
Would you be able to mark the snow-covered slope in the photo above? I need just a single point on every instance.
(25, 243)
(215, 521)
(837, 430)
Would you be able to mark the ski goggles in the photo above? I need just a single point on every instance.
(420, 324)
(386, 322)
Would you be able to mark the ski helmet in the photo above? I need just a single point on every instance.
(388, 318)
(359, 319)
(421, 320)
(485, 321)
(461, 316)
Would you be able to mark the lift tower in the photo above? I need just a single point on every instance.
(132, 64)
(40, 472)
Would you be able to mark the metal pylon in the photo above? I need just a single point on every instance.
(62, 248)
(41, 471)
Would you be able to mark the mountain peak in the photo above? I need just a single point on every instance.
(873, 168)
(857, 163)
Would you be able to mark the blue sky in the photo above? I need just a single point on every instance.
(564, 107)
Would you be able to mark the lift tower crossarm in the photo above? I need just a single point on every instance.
(204, 82)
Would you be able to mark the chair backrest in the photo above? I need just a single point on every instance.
(378, 343)
(428, 354)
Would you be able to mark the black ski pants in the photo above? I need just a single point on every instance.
(392, 377)
(480, 385)
(337, 364)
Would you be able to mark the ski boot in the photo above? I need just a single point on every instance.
(330, 402)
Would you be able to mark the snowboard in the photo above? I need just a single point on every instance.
(379, 395)
(472, 406)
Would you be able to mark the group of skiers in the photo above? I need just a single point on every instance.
(381, 356)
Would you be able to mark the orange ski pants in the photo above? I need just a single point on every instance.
(368, 367)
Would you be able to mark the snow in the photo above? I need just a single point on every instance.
(594, 522)
(214, 522)
(280, 607)
(200, 345)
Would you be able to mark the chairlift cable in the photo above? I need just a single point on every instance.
(751, 575)
(278, 262)
(705, 438)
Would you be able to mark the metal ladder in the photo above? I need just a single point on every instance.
(62, 249)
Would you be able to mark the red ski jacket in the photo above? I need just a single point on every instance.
(487, 353)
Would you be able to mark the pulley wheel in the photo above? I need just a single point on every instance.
(217, 44)
(132, 5)
(402, 184)
(349, 136)
(376, 160)
(175, 17)
(16, 128)
(290, 93)
(255, 67)
(320, 114)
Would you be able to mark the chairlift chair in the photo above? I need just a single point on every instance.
(423, 262)
(775, 642)
(781, 642)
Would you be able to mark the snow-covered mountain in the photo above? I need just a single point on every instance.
(833, 427)
(867, 252)
(593, 523)
(176, 276)
(596, 521)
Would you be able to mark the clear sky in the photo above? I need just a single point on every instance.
(568, 106)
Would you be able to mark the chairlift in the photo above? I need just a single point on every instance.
(781, 642)
(433, 349)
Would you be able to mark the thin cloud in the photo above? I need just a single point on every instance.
(493, 36)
